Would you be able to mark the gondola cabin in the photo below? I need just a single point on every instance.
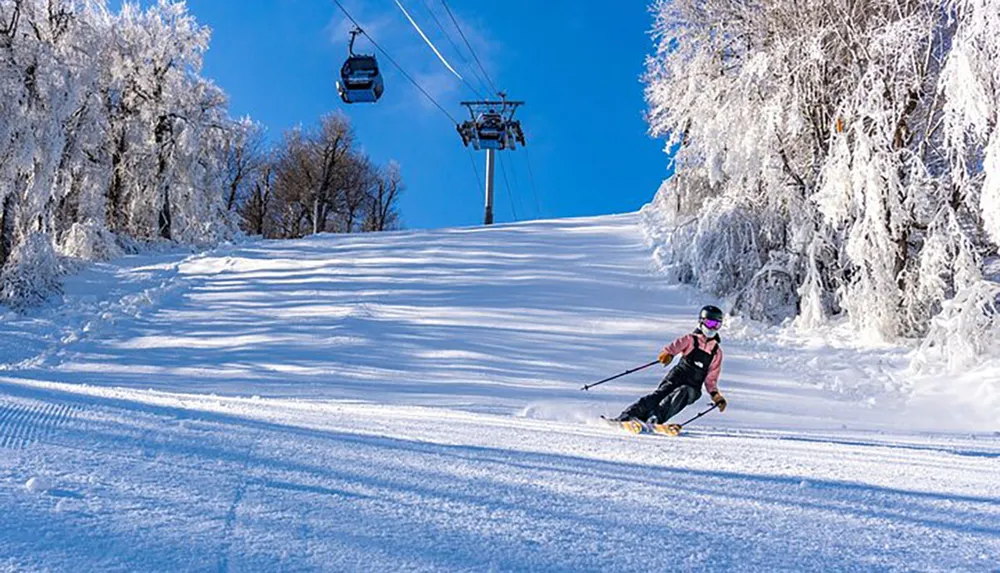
(360, 80)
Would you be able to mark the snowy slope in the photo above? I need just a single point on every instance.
(412, 401)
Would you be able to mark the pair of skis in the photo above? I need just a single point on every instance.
(637, 426)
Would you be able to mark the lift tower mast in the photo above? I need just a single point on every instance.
(492, 128)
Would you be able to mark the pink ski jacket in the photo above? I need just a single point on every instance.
(683, 345)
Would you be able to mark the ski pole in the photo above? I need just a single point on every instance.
(626, 373)
(714, 406)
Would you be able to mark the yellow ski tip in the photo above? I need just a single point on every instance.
(667, 429)
(632, 426)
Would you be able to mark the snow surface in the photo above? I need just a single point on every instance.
(412, 401)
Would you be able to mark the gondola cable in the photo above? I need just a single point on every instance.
(531, 174)
(506, 184)
(427, 41)
(517, 187)
(468, 45)
(531, 178)
(394, 63)
(475, 168)
(508, 135)
(461, 54)
(411, 80)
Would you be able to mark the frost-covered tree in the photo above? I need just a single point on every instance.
(108, 134)
(46, 94)
(831, 157)
(170, 124)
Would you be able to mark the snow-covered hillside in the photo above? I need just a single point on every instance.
(412, 401)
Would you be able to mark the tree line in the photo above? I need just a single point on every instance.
(110, 137)
(312, 181)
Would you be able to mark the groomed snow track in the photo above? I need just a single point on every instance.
(411, 401)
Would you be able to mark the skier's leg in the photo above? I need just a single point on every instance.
(642, 407)
(673, 403)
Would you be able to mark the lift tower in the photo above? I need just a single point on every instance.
(492, 128)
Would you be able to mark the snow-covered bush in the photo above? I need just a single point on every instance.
(772, 294)
(830, 158)
(726, 249)
(967, 330)
(90, 242)
(31, 273)
(669, 223)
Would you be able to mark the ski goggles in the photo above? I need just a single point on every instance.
(711, 323)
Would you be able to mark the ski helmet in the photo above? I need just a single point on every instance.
(710, 320)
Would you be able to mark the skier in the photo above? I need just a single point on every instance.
(701, 364)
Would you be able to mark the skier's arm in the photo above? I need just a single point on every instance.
(714, 370)
(681, 346)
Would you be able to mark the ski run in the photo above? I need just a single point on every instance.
(411, 401)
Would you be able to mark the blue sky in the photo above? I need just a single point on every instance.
(575, 62)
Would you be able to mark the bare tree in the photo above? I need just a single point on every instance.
(359, 178)
(294, 181)
(312, 171)
(333, 146)
(256, 208)
(245, 157)
(383, 211)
